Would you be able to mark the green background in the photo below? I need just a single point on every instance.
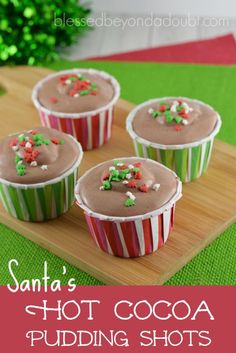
(215, 85)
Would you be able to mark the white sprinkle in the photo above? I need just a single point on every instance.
(173, 108)
(79, 75)
(27, 138)
(28, 145)
(128, 176)
(76, 95)
(130, 195)
(15, 148)
(125, 182)
(68, 82)
(120, 164)
(112, 168)
(150, 111)
(44, 167)
(20, 154)
(101, 188)
(176, 103)
(33, 164)
(185, 122)
(131, 166)
(20, 162)
(156, 187)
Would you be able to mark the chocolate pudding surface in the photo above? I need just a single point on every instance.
(168, 123)
(37, 155)
(75, 93)
(151, 184)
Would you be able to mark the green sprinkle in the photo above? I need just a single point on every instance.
(21, 137)
(126, 171)
(62, 142)
(37, 137)
(179, 108)
(107, 185)
(17, 159)
(169, 117)
(129, 202)
(122, 175)
(38, 143)
(114, 175)
(84, 92)
(168, 108)
(93, 86)
(156, 114)
(46, 141)
(81, 78)
(72, 78)
(116, 163)
(21, 169)
(178, 119)
(136, 169)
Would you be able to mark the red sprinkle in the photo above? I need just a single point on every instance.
(72, 92)
(28, 149)
(138, 175)
(125, 166)
(185, 116)
(14, 142)
(137, 165)
(22, 143)
(132, 184)
(53, 100)
(180, 101)
(55, 140)
(33, 132)
(105, 176)
(182, 112)
(178, 128)
(144, 188)
(94, 93)
(35, 153)
(162, 108)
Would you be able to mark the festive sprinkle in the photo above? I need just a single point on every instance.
(138, 175)
(53, 100)
(21, 137)
(144, 188)
(176, 112)
(129, 202)
(178, 128)
(15, 148)
(33, 164)
(138, 164)
(62, 142)
(112, 168)
(125, 182)
(132, 184)
(128, 176)
(156, 187)
(130, 195)
(55, 140)
(28, 145)
(44, 167)
(107, 185)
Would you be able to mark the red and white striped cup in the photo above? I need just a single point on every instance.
(131, 236)
(93, 128)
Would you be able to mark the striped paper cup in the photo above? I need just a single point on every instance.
(42, 201)
(93, 128)
(131, 236)
(189, 160)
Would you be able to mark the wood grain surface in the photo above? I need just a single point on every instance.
(207, 208)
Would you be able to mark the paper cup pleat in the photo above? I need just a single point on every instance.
(188, 163)
(39, 204)
(133, 238)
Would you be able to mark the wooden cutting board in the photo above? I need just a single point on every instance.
(206, 209)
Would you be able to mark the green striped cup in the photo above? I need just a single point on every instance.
(43, 201)
(189, 161)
